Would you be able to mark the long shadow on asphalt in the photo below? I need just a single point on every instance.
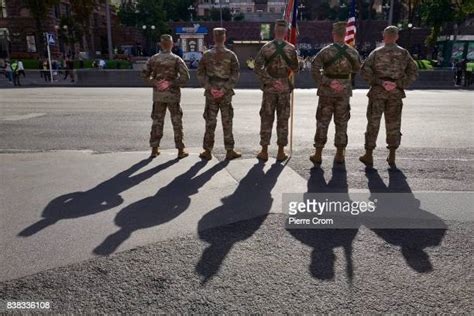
(167, 204)
(252, 199)
(324, 241)
(103, 197)
(411, 241)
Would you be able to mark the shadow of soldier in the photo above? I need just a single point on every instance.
(400, 213)
(324, 241)
(103, 197)
(167, 204)
(247, 208)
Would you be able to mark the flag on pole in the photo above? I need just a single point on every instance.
(291, 18)
(351, 26)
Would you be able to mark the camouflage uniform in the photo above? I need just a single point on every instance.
(270, 67)
(219, 68)
(168, 66)
(387, 63)
(325, 68)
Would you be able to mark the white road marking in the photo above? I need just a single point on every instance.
(21, 116)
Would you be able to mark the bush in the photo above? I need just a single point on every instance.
(425, 64)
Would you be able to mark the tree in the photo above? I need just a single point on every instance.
(39, 10)
(216, 14)
(437, 13)
(83, 10)
(177, 10)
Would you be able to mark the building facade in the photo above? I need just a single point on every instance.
(20, 36)
(253, 10)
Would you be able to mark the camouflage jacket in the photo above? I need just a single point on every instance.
(170, 67)
(329, 65)
(219, 68)
(389, 63)
(270, 67)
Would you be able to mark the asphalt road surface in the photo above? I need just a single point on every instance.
(55, 141)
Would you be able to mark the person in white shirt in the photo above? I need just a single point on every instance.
(21, 69)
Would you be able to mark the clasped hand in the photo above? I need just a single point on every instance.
(336, 86)
(389, 86)
(279, 86)
(162, 85)
(216, 93)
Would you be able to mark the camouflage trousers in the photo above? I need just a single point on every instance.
(392, 110)
(210, 116)
(281, 104)
(341, 109)
(158, 115)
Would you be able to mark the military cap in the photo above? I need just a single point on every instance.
(166, 38)
(391, 30)
(219, 31)
(281, 23)
(339, 28)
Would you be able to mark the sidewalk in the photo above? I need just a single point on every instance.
(76, 205)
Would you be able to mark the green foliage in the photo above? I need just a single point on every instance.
(82, 10)
(436, 13)
(239, 17)
(177, 10)
(70, 30)
(145, 12)
(425, 64)
(39, 10)
(215, 14)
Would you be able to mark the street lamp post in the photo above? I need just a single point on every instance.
(300, 8)
(147, 34)
(191, 9)
(390, 13)
(109, 29)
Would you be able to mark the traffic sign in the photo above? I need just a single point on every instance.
(51, 40)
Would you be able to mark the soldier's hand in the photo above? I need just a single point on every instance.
(216, 93)
(389, 86)
(278, 86)
(163, 85)
(337, 86)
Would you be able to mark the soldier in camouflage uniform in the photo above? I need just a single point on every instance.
(273, 66)
(331, 69)
(389, 70)
(218, 72)
(167, 72)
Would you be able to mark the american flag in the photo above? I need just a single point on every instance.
(291, 17)
(351, 26)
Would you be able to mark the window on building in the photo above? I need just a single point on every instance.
(272, 10)
(249, 10)
(3, 9)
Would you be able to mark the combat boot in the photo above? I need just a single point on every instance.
(232, 154)
(206, 154)
(367, 158)
(339, 157)
(391, 157)
(316, 158)
(263, 154)
(155, 151)
(281, 155)
(182, 153)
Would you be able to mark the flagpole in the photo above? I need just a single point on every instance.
(291, 118)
